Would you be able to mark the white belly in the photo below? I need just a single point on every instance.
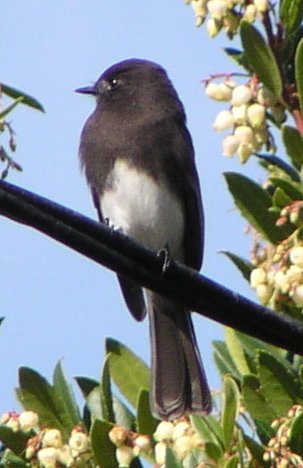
(145, 211)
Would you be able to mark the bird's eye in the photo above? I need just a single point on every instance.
(113, 83)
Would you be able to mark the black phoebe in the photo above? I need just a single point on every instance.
(138, 158)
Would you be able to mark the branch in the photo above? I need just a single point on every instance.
(119, 253)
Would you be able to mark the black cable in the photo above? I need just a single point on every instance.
(119, 253)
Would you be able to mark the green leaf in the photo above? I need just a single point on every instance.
(103, 449)
(290, 189)
(63, 391)
(171, 460)
(280, 199)
(146, 423)
(209, 430)
(223, 359)
(256, 450)
(10, 460)
(291, 14)
(255, 401)
(106, 393)
(236, 351)
(293, 143)
(124, 417)
(296, 435)
(26, 99)
(278, 386)
(252, 345)
(271, 160)
(128, 371)
(244, 266)
(233, 462)
(260, 57)
(264, 431)
(254, 203)
(213, 451)
(230, 409)
(36, 394)
(9, 108)
(299, 69)
(238, 56)
(14, 440)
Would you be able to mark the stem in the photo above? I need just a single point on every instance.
(298, 119)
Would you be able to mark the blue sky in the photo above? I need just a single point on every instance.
(58, 304)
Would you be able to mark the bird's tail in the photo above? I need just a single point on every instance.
(179, 383)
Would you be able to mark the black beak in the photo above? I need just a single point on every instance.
(87, 90)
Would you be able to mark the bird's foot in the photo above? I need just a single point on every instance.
(165, 256)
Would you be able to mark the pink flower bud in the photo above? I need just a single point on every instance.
(244, 134)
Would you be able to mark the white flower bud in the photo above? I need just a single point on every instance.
(65, 456)
(13, 423)
(199, 7)
(297, 295)
(261, 5)
(180, 429)
(48, 457)
(143, 443)
(78, 443)
(266, 97)
(160, 453)
(164, 431)
(282, 282)
(183, 446)
(223, 121)
(256, 115)
(250, 13)
(240, 114)
(245, 150)
(28, 420)
(241, 95)
(264, 293)
(244, 134)
(124, 455)
(257, 276)
(296, 256)
(213, 91)
(52, 438)
(118, 435)
(213, 27)
(217, 9)
(30, 452)
(5, 418)
(230, 145)
(294, 274)
(219, 92)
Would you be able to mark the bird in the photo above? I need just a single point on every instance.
(138, 158)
